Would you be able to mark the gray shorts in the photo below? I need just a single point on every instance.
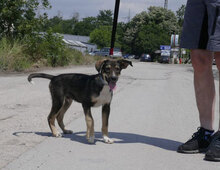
(201, 28)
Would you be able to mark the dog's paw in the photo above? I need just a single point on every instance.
(67, 131)
(108, 140)
(91, 139)
(58, 135)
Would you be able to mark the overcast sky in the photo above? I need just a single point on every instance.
(87, 8)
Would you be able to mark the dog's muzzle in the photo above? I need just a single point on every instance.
(112, 82)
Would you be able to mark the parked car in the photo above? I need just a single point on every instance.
(129, 56)
(125, 56)
(136, 57)
(92, 53)
(105, 52)
(145, 58)
(164, 59)
(117, 52)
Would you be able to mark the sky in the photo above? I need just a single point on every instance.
(87, 8)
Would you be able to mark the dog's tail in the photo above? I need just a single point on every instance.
(39, 75)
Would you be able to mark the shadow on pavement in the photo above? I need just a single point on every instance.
(119, 138)
(125, 138)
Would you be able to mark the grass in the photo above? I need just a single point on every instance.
(14, 57)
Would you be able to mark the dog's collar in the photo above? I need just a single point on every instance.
(102, 80)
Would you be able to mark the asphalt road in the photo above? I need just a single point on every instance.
(153, 111)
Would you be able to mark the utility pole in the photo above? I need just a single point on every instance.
(129, 15)
(115, 21)
(166, 4)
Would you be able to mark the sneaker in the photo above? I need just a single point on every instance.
(213, 153)
(198, 143)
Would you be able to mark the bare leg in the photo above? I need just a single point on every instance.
(204, 86)
(217, 61)
(90, 124)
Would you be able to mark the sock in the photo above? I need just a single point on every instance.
(208, 134)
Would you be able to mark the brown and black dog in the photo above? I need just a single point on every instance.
(90, 90)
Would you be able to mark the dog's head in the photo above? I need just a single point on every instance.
(111, 69)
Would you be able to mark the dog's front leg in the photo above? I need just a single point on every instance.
(105, 116)
(89, 123)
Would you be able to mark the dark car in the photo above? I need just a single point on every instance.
(129, 56)
(165, 59)
(136, 57)
(145, 58)
(125, 56)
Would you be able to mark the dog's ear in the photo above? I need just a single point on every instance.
(124, 63)
(99, 64)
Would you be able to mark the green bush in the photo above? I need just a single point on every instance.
(12, 56)
(37, 51)
(75, 57)
(49, 46)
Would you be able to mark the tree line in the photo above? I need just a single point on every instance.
(143, 34)
(21, 21)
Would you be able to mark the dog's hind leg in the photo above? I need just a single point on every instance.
(57, 103)
(105, 116)
(65, 107)
(89, 123)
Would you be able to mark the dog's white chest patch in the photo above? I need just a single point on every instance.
(104, 97)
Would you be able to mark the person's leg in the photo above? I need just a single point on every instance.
(213, 153)
(217, 61)
(204, 86)
(205, 99)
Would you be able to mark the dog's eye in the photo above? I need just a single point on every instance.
(107, 69)
(117, 69)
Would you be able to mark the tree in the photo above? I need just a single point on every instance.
(166, 19)
(162, 20)
(104, 18)
(59, 25)
(101, 36)
(149, 38)
(180, 15)
(121, 28)
(68, 25)
(85, 27)
(18, 17)
(55, 24)
(131, 31)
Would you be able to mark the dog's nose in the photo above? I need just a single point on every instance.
(114, 78)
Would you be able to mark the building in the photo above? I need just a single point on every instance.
(79, 42)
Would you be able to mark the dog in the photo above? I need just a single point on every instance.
(89, 90)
